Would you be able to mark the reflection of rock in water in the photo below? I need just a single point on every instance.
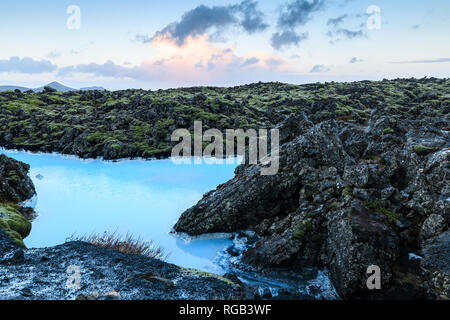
(39, 177)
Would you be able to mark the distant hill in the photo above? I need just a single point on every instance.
(12, 88)
(93, 88)
(57, 86)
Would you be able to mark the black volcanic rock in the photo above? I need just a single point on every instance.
(15, 184)
(43, 274)
(346, 197)
(138, 123)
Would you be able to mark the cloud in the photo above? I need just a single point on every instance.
(287, 38)
(356, 60)
(440, 60)
(203, 19)
(197, 62)
(108, 69)
(351, 34)
(144, 38)
(335, 22)
(339, 30)
(253, 19)
(298, 13)
(54, 54)
(249, 62)
(320, 68)
(26, 65)
(345, 3)
(294, 14)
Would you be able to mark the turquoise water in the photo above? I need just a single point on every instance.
(143, 198)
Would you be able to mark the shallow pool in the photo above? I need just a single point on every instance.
(143, 198)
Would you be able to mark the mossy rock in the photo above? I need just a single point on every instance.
(423, 150)
(310, 191)
(302, 228)
(16, 237)
(348, 191)
(388, 131)
(208, 274)
(14, 224)
(377, 206)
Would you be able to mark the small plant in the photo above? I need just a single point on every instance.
(301, 228)
(377, 206)
(333, 206)
(388, 131)
(127, 244)
(348, 191)
(423, 150)
(310, 191)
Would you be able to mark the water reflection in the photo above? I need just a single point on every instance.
(144, 198)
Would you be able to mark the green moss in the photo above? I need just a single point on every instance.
(388, 131)
(301, 229)
(333, 206)
(348, 191)
(422, 150)
(391, 215)
(165, 123)
(310, 191)
(208, 274)
(14, 223)
(378, 207)
(145, 118)
(4, 225)
(16, 237)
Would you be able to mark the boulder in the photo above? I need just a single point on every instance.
(432, 226)
(358, 238)
(15, 184)
(250, 197)
(436, 264)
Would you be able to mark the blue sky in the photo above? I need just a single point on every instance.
(172, 43)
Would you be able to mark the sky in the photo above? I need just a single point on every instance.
(179, 43)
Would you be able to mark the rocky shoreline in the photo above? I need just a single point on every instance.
(15, 187)
(48, 274)
(346, 197)
(45, 274)
(364, 180)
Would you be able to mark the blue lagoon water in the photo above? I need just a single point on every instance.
(143, 198)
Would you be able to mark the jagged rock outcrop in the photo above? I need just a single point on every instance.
(346, 197)
(436, 264)
(50, 274)
(358, 238)
(15, 185)
(250, 197)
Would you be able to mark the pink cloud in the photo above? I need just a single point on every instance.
(196, 62)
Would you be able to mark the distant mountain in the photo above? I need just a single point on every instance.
(57, 86)
(93, 88)
(12, 88)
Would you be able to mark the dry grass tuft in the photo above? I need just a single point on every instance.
(127, 244)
